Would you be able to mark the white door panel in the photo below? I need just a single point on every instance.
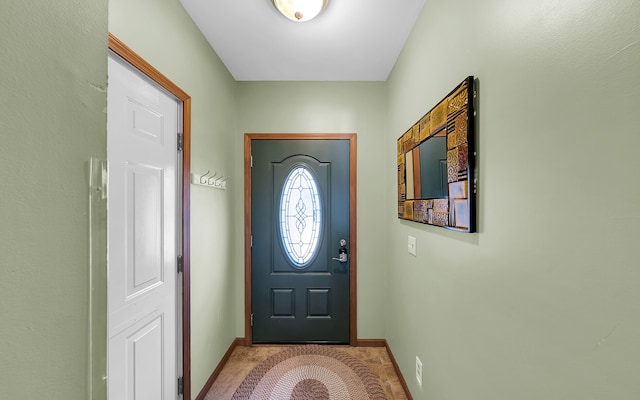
(140, 351)
(142, 202)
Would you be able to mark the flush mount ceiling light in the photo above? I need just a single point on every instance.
(300, 10)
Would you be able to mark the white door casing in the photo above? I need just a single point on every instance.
(142, 128)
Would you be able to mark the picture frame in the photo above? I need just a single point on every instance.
(436, 164)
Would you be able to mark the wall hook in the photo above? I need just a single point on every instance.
(203, 180)
(216, 181)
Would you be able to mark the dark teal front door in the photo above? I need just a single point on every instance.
(300, 202)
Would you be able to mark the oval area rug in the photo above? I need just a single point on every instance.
(310, 372)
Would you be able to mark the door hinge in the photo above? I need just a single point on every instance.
(180, 264)
(180, 141)
(252, 161)
(251, 319)
(180, 386)
(251, 241)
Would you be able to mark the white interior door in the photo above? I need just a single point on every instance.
(143, 220)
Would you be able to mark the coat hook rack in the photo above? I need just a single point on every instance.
(210, 180)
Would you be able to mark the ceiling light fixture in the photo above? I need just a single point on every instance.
(300, 10)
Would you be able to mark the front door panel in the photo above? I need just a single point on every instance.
(300, 212)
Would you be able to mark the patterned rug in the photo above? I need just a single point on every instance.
(310, 372)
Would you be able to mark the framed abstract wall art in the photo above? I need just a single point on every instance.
(436, 164)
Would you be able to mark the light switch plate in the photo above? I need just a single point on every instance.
(411, 245)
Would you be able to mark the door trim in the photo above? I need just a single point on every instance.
(248, 138)
(122, 50)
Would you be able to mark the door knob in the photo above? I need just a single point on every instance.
(342, 252)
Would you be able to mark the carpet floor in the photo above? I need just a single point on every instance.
(307, 372)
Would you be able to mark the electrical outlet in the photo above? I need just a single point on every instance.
(419, 371)
(411, 245)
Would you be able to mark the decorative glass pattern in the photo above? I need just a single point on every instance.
(300, 216)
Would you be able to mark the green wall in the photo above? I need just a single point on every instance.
(327, 107)
(542, 302)
(163, 34)
(53, 71)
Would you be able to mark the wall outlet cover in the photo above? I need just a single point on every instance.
(419, 371)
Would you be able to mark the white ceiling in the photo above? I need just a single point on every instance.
(351, 40)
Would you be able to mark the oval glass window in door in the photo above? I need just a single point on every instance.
(300, 216)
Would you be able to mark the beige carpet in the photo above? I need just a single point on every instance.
(310, 372)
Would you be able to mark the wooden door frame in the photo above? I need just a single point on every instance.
(248, 137)
(122, 50)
